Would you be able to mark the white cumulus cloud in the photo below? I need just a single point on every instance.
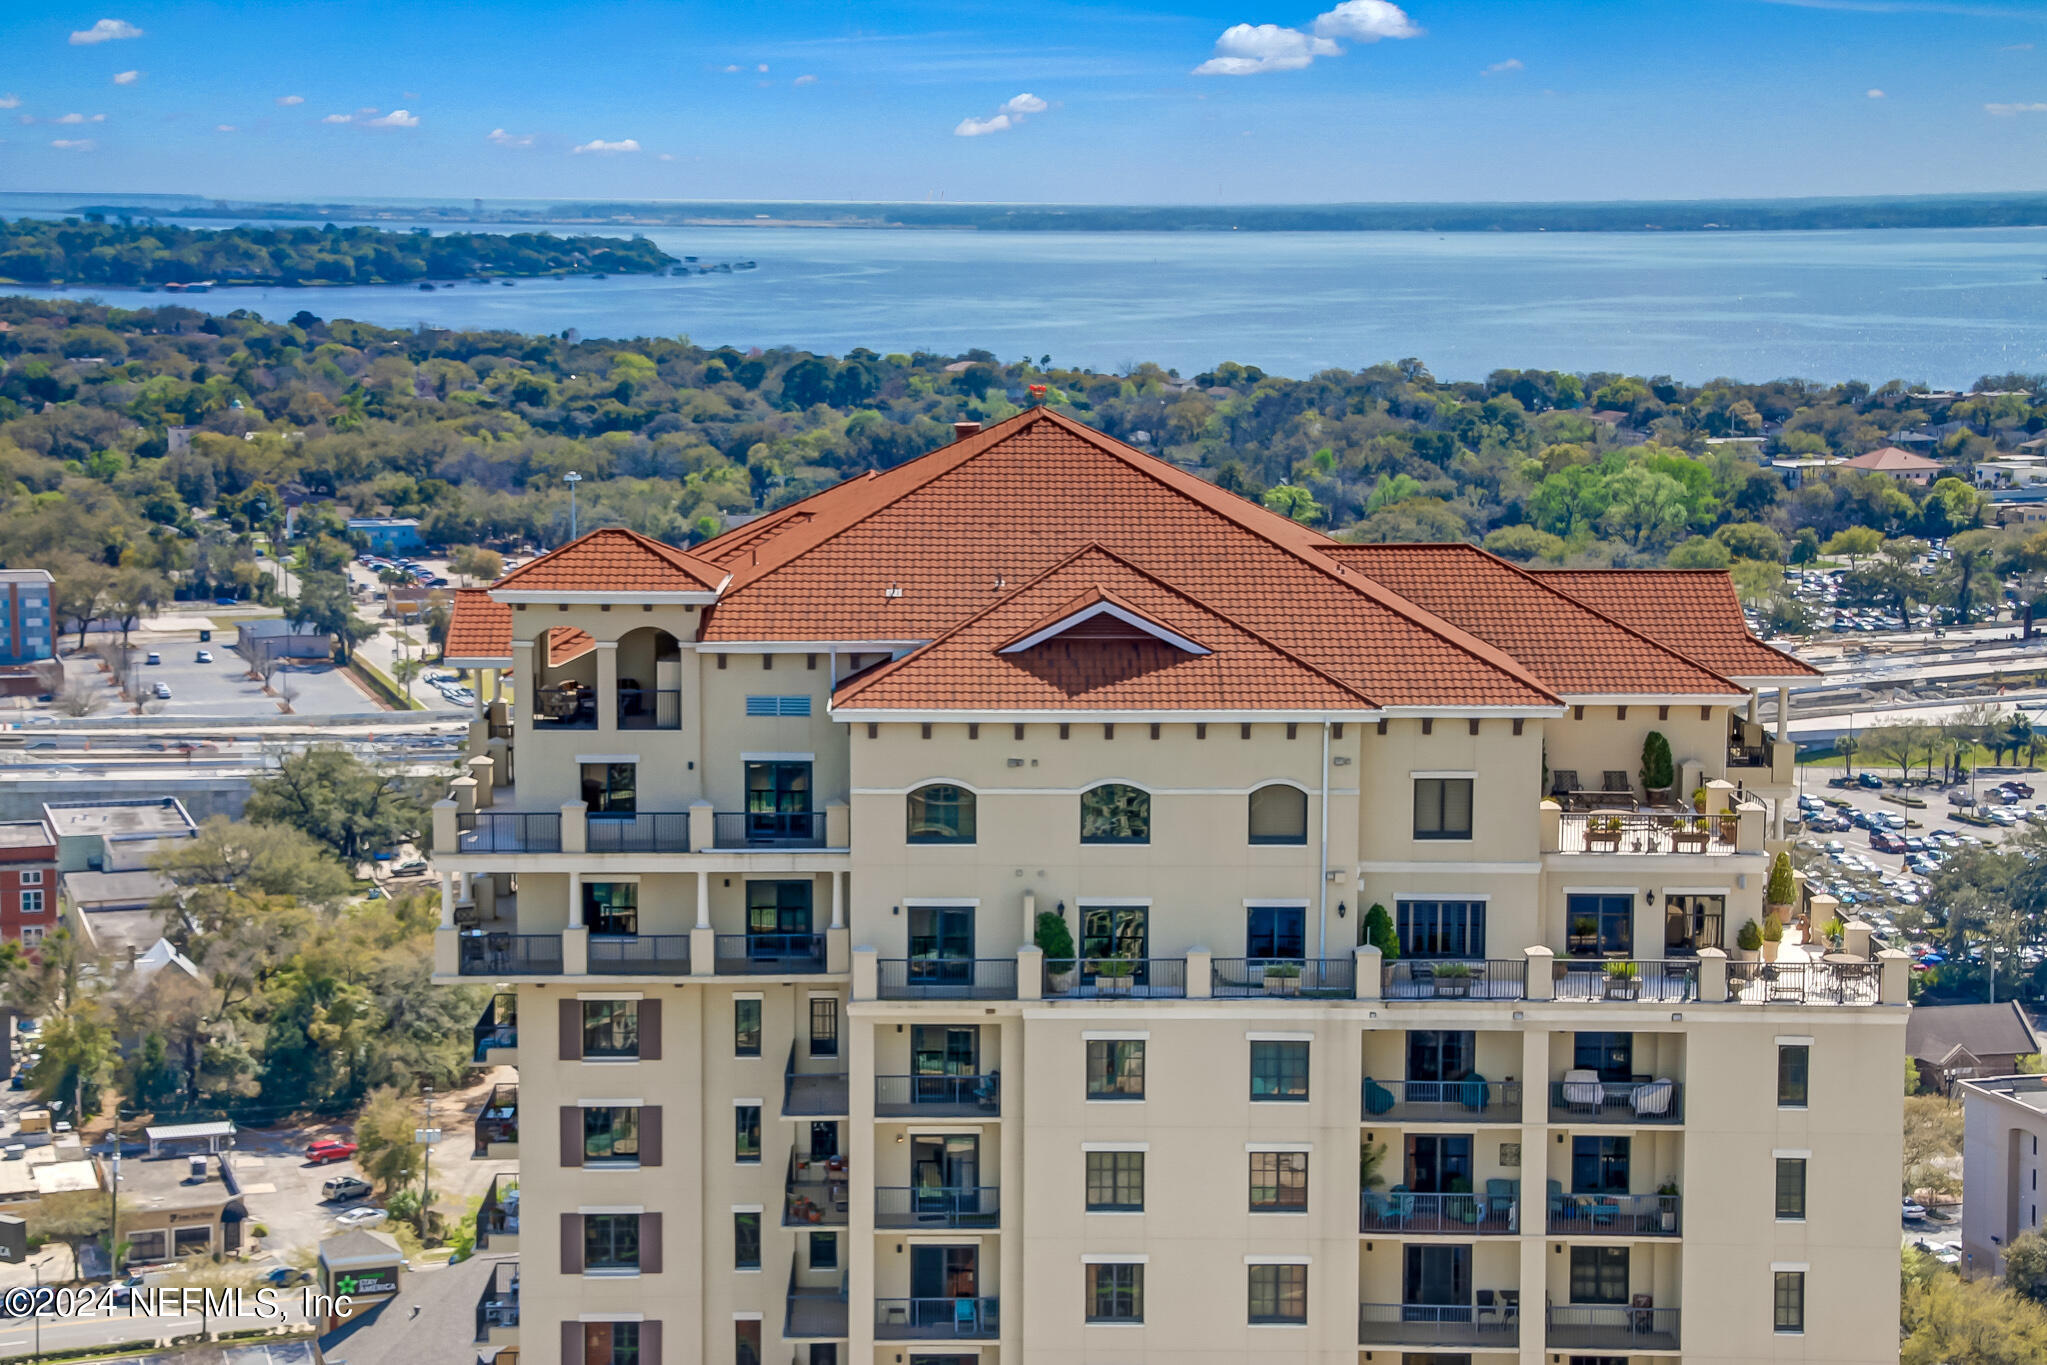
(105, 31)
(287, 101)
(599, 147)
(339, 118)
(73, 144)
(127, 77)
(804, 80)
(1253, 49)
(1874, 94)
(1025, 103)
(976, 127)
(80, 118)
(762, 68)
(1501, 68)
(732, 69)
(397, 118)
(223, 128)
(10, 101)
(1009, 115)
(2007, 110)
(505, 139)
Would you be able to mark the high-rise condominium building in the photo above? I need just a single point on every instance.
(1386, 1016)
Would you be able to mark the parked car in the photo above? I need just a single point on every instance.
(153, 658)
(162, 691)
(345, 1187)
(364, 1217)
(285, 1276)
(320, 1153)
(1869, 781)
(205, 656)
(1914, 1209)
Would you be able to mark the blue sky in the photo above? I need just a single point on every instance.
(1204, 101)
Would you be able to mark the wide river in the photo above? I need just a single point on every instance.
(1940, 306)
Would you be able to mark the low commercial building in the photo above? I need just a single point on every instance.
(2004, 1119)
(28, 881)
(1951, 1043)
(386, 534)
(32, 1174)
(276, 638)
(177, 1206)
(116, 836)
(28, 631)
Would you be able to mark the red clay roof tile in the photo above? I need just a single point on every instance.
(1694, 611)
(613, 559)
(479, 626)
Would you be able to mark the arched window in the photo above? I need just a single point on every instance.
(1113, 814)
(941, 814)
(1279, 815)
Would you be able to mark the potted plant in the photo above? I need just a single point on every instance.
(1699, 800)
(1836, 932)
(1282, 978)
(1667, 1205)
(1377, 928)
(1657, 774)
(1782, 891)
(1730, 826)
(1453, 979)
(1748, 941)
(1603, 833)
(1690, 834)
(1623, 980)
(1055, 941)
(1113, 976)
(1773, 936)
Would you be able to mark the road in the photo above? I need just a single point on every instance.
(19, 1337)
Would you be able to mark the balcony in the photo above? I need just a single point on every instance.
(639, 954)
(1615, 1215)
(1671, 981)
(508, 831)
(1399, 1210)
(1493, 979)
(946, 978)
(497, 1123)
(936, 1320)
(1493, 1323)
(1584, 1098)
(933, 1206)
(1476, 1100)
(814, 1094)
(814, 1193)
(770, 954)
(497, 1308)
(1118, 978)
(499, 955)
(1314, 978)
(641, 708)
(497, 1219)
(1647, 832)
(495, 1039)
(1587, 1327)
(637, 832)
(815, 1312)
(938, 1097)
(768, 829)
(1804, 983)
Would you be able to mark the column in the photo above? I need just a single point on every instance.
(703, 942)
(704, 901)
(526, 680)
(1754, 700)
(838, 900)
(447, 900)
(575, 916)
(1783, 711)
(607, 687)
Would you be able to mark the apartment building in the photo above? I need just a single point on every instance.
(2003, 1120)
(757, 867)
(28, 881)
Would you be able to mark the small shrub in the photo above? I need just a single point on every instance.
(1783, 887)
(1749, 938)
(1054, 940)
(1657, 773)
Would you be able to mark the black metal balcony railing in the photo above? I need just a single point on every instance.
(769, 954)
(915, 1206)
(937, 1096)
(497, 1027)
(1324, 978)
(1741, 755)
(1668, 980)
(947, 978)
(815, 1311)
(1597, 1101)
(498, 955)
(814, 1094)
(1804, 983)
(815, 1193)
(1402, 1211)
(1589, 1327)
(927, 1319)
(642, 708)
(1116, 978)
(639, 954)
(638, 832)
(1645, 832)
(1490, 979)
(1623, 1215)
(498, 1120)
(1494, 1325)
(768, 828)
(572, 707)
(498, 1215)
(1471, 1101)
(498, 1305)
(509, 831)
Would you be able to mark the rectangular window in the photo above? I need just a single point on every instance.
(778, 706)
(33, 878)
(610, 1343)
(1279, 1294)
(1791, 1187)
(611, 1241)
(1279, 1071)
(1442, 808)
(1276, 933)
(746, 1341)
(611, 788)
(1693, 922)
(746, 1134)
(1790, 1298)
(31, 902)
(1115, 1069)
(824, 1251)
(824, 1026)
(31, 935)
(611, 1133)
(1440, 1055)
(611, 907)
(1599, 1275)
(1115, 1182)
(611, 1028)
(1599, 924)
(1612, 1055)
(1599, 1165)
(746, 1241)
(1279, 1182)
(1441, 929)
(1793, 1061)
(746, 1027)
(1115, 1293)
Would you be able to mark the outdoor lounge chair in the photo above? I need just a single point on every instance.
(1378, 1099)
(1653, 1099)
(1582, 1091)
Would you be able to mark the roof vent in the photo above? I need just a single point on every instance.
(962, 430)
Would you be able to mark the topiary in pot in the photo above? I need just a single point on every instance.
(1055, 941)
(1657, 774)
(1773, 937)
(1379, 933)
(1782, 890)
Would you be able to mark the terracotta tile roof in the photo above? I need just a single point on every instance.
(966, 669)
(1891, 460)
(613, 559)
(1694, 611)
(1570, 646)
(479, 627)
(907, 554)
(565, 643)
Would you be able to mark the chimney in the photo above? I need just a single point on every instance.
(962, 430)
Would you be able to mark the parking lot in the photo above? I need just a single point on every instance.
(224, 687)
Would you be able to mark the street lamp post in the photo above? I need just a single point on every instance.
(572, 478)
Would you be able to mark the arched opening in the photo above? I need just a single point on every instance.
(1279, 815)
(1115, 814)
(941, 813)
(649, 680)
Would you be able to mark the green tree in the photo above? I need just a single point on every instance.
(1853, 544)
(1933, 1146)
(328, 793)
(383, 1140)
(1290, 500)
(1948, 1320)
(1700, 552)
(73, 1218)
(78, 1059)
(323, 604)
(475, 563)
(2025, 1266)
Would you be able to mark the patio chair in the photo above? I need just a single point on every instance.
(1378, 1099)
(1510, 1299)
(1378, 1208)
(1402, 1199)
(1556, 1200)
(1563, 783)
(1488, 1304)
(1582, 1091)
(1616, 783)
(966, 1317)
(1654, 1099)
(1472, 1092)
